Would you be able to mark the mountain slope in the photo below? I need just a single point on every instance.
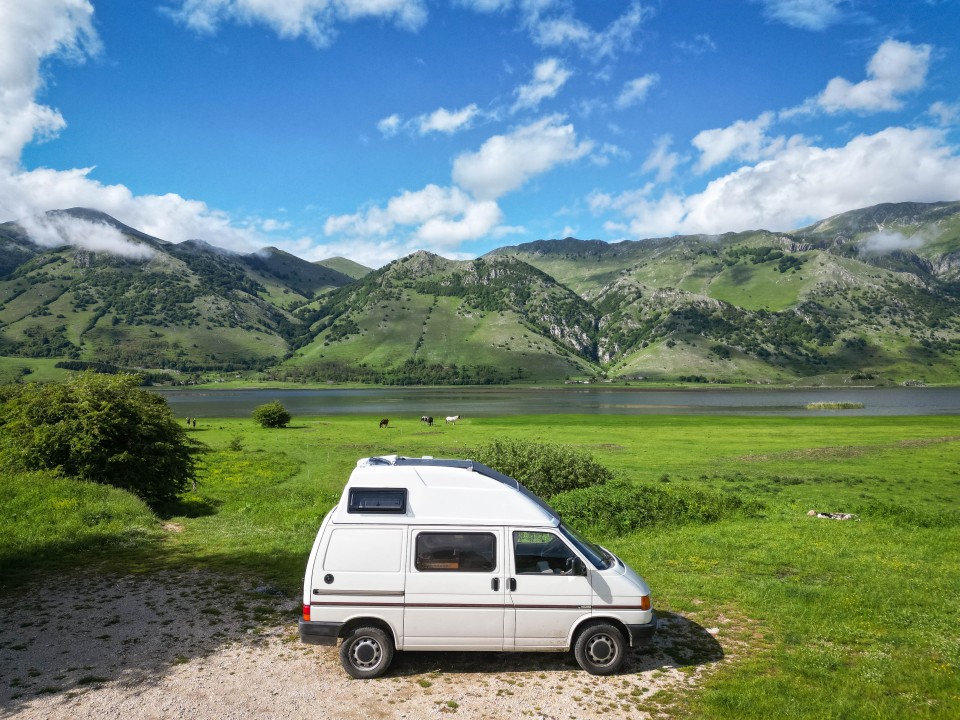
(504, 316)
(870, 296)
(870, 293)
(187, 305)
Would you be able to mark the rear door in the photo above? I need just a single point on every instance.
(455, 589)
(547, 594)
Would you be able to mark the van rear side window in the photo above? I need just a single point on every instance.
(456, 552)
(377, 500)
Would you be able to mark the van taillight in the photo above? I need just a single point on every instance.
(645, 603)
(306, 610)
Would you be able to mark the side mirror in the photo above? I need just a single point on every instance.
(579, 568)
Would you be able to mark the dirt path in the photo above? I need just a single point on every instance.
(196, 645)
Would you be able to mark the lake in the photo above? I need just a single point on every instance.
(593, 400)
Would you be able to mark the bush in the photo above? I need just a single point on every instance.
(619, 508)
(907, 515)
(101, 428)
(545, 469)
(272, 415)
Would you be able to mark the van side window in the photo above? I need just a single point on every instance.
(537, 553)
(456, 552)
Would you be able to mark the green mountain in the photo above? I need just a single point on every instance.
(159, 305)
(425, 317)
(868, 294)
(871, 295)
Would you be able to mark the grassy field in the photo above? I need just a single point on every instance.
(821, 618)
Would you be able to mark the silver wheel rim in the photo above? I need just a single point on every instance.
(366, 648)
(601, 649)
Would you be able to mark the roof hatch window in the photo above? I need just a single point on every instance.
(377, 500)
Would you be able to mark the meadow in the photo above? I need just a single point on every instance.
(820, 618)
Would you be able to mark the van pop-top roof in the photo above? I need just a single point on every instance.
(428, 491)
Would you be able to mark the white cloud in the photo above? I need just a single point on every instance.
(440, 216)
(896, 68)
(945, 113)
(802, 182)
(551, 23)
(476, 221)
(548, 77)
(743, 140)
(661, 160)
(169, 217)
(440, 120)
(57, 230)
(635, 91)
(30, 32)
(315, 20)
(884, 242)
(607, 152)
(505, 162)
(390, 125)
(486, 5)
(447, 121)
(273, 225)
(697, 45)
(803, 14)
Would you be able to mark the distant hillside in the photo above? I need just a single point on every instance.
(494, 320)
(186, 306)
(350, 268)
(869, 296)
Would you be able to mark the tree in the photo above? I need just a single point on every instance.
(101, 428)
(272, 415)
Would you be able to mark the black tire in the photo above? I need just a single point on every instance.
(366, 652)
(600, 649)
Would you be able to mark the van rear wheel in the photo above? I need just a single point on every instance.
(366, 652)
(600, 649)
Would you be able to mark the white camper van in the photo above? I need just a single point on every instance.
(429, 554)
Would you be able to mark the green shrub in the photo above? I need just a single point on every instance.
(618, 508)
(908, 516)
(101, 428)
(546, 470)
(272, 415)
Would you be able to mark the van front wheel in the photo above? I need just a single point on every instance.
(600, 649)
(366, 652)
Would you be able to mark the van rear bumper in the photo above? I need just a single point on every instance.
(641, 635)
(319, 633)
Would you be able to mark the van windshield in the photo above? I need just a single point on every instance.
(600, 558)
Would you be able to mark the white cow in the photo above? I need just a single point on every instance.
(452, 419)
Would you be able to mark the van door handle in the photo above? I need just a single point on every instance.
(513, 584)
(495, 584)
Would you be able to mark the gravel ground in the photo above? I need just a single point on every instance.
(196, 645)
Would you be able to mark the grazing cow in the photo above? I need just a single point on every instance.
(452, 419)
(384, 423)
(428, 419)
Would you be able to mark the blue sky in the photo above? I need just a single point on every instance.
(373, 128)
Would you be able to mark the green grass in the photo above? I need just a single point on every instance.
(818, 618)
(50, 522)
(761, 286)
(15, 369)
